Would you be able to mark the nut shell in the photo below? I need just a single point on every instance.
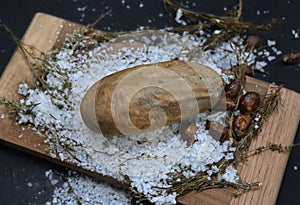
(241, 124)
(249, 102)
(232, 89)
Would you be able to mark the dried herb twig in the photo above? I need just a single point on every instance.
(34, 62)
(229, 25)
(270, 105)
(11, 106)
(272, 147)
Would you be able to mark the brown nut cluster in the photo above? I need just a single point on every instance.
(247, 105)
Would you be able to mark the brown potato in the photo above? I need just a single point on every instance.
(146, 97)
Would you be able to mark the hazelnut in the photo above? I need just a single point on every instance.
(232, 89)
(230, 104)
(249, 102)
(217, 131)
(240, 125)
(253, 41)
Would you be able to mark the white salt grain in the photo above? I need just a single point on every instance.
(271, 58)
(271, 43)
(295, 34)
(82, 8)
(216, 32)
(178, 17)
(230, 175)
(2, 116)
(53, 182)
(23, 89)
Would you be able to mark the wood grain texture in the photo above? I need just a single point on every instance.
(47, 32)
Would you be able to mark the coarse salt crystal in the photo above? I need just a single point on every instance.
(82, 8)
(295, 34)
(216, 32)
(48, 174)
(230, 175)
(271, 43)
(2, 116)
(178, 19)
(271, 58)
(54, 181)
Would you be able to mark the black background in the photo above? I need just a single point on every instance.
(17, 169)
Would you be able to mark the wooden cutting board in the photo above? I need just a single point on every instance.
(47, 32)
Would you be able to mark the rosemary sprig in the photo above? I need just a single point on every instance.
(270, 105)
(200, 182)
(10, 105)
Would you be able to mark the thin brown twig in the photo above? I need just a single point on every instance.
(100, 18)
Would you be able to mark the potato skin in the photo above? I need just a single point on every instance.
(146, 97)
